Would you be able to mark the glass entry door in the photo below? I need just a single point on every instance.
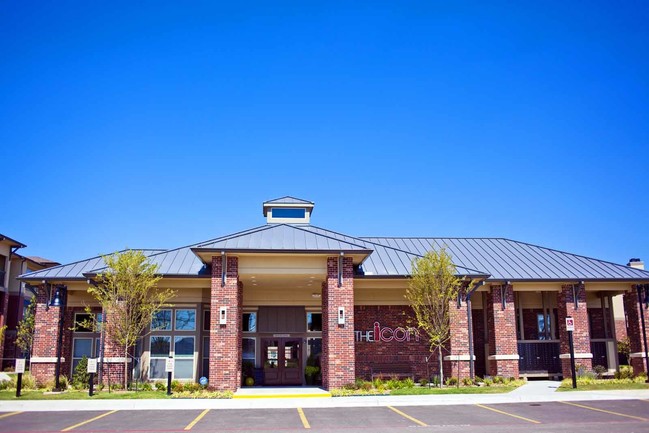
(282, 358)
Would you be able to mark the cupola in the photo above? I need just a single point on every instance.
(288, 210)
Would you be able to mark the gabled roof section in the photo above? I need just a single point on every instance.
(283, 238)
(12, 242)
(74, 270)
(506, 259)
(288, 200)
(389, 261)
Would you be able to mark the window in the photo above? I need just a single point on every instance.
(206, 320)
(81, 347)
(160, 350)
(248, 352)
(184, 357)
(249, 322)
(206, 357)
(279, 212)
(185, 320)
(85, 322)
(544, 325)
(161, 321)
(314, 351)
(314, 322)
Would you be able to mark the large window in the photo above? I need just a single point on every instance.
(87, 322)
(86, 346)
(161, 321)
(248, 349)
(184, 355)
(249, 322)
(185, 320)
(206, 357)
(160, 351)
(544, 325)
(314, 322)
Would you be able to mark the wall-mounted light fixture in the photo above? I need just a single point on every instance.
(341, 315)
(223, 315)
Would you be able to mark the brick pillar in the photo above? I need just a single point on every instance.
(4, 310)
(225, 340)
(46, 338)
(634, 330)
(113, 355)
(338, 356)
(581, 335)
(458, 357)
(501, 324)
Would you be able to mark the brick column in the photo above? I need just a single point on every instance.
(46, 338)
(501, 325)
(113, 355)
(581, 335)
(458, 357)
(225, 340)
(338, 355)
(4, 310)
(634, 330)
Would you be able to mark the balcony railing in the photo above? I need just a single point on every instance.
(539, 356)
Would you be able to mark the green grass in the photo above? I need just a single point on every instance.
(603, 386)
(82, 395)
(454, 390)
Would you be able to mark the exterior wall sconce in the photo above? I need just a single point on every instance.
(223, 315)
(341, 315)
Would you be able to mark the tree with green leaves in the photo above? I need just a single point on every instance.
(129, 296)
(25, 329)
(433, 286)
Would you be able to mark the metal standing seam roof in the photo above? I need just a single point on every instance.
(505, 259)
(497, 258)
(75, 270)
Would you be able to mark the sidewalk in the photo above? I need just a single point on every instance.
(532, 392)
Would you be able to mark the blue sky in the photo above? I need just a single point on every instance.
(159, 124)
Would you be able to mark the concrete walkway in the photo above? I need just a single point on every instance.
(535, 391)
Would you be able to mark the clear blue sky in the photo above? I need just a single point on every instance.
(159, 124)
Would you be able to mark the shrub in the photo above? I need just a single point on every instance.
(366, 386)
(8, 384)
(498, 380)
(488, 381)
(423, 381)
(160, 386)
(600, 370)
(451, 381)
(625, 372)
(350, 386)
(50, 385)
(81, 377)
(192, 387)
(177, 386)
(116, 386)
(146, 386)
(467, 381)
(408, 383)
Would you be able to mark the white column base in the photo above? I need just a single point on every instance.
(503, 357)
(458, 358)
(577, 356)
(45, 359)
(637, 355)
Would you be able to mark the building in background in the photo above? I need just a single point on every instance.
(268, 301)
(13, 295)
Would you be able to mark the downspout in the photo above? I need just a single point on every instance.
(469, 317)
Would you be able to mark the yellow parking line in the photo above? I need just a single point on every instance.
(405, 415)
(197, 419)
(509, 414)
(605, 411)
(5, 415)
(88, 421)
(305, 422)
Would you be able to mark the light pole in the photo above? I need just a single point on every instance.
(643, 298)
(59, 301)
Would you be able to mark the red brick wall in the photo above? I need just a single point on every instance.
(502, 331)
(338, 365)
(225, 340)
(375, 353)
(620, 329)
(4, 308)
(581, 335)
(46, 333)
(634, 329)
(459, 342)
(596, 318)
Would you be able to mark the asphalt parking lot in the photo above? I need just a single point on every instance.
(592, 417)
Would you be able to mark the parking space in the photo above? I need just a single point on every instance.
(44, 421)
(590, 417)
(366, 417)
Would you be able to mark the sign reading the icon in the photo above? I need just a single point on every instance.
(387, 334)
(570, 324)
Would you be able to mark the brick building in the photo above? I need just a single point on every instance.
(268, 301)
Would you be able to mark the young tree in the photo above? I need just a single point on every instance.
(129, 296)
(433, 286)
(25, 330)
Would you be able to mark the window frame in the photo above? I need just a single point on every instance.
(171, 318)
